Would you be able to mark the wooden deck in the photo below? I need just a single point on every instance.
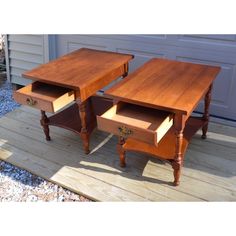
(209, 173)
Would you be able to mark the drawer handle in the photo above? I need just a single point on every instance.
(124, 131)
(31, 102)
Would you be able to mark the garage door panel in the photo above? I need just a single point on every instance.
(214, 37)
(74, 46)
(223, 82)
(219, 50)
(140, 57)
(155, 39)
(222, 86)
(223, 43)
(67, 43)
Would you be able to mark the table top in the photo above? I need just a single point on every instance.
(83, 68)
(166, 84)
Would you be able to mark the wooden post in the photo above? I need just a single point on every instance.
(121, 151)
(205, 116)
(93, 121)
(179, 124)
(126, 70)
(84, 132)
(121, 140)
(44, 122)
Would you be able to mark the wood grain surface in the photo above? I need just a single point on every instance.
(84, 70)
(165, 84)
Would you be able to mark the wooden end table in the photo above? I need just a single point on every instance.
(76, 76)
(166, 92)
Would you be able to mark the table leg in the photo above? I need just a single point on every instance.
(121, 151)
(206, 112)
(121, 140)
(84, 132)
(177, 163)
(91, 108)
(44, 122)
(126, 70)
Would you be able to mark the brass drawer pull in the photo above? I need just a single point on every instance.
(124, 131)
(31, 102)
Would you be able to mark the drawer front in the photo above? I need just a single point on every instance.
(44, 97)
(125, 130)
(137, 122)
(28, 100)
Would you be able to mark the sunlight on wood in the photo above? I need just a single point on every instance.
(4, 154)
(99, 166)
(221, 137)
(101, 144)
(3, 141)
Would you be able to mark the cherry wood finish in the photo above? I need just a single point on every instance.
(171, 86)
(81, 74)
(126, 120)
(45, 97)
(166, 85)
(84, 70)
(121, 150)
(206, 112)
(166, 148)
(44, 122)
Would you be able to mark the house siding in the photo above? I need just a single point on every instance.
(25, 52)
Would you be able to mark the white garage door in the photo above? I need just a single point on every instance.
(217, 50)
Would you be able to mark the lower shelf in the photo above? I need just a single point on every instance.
(69, 118)
(166, 148)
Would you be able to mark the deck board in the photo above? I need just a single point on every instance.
(209, 173)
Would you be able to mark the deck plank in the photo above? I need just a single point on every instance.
(64, 159)
(207, 175)
(93, 165)
(59, 143)
(65, 176)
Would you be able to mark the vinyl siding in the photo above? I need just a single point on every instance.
(25, 52)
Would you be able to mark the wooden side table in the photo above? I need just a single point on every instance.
(152, 109)
(76, 76)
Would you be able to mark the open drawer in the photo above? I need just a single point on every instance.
(137, 122)
(43, 96)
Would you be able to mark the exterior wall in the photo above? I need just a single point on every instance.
(28, 51)
(24, 53)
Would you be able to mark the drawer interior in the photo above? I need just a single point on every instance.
(44, 91)
(46, 97)
(134, 115)
(141, 118)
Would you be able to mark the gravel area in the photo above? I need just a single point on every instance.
(7, 104)
(20, 185)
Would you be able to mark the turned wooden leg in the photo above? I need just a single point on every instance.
(205, 116)
(126, 70)
(177, 163)
(92, 113)
(84, 132)
(44, 122)
(178, 160)
(121, 151)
